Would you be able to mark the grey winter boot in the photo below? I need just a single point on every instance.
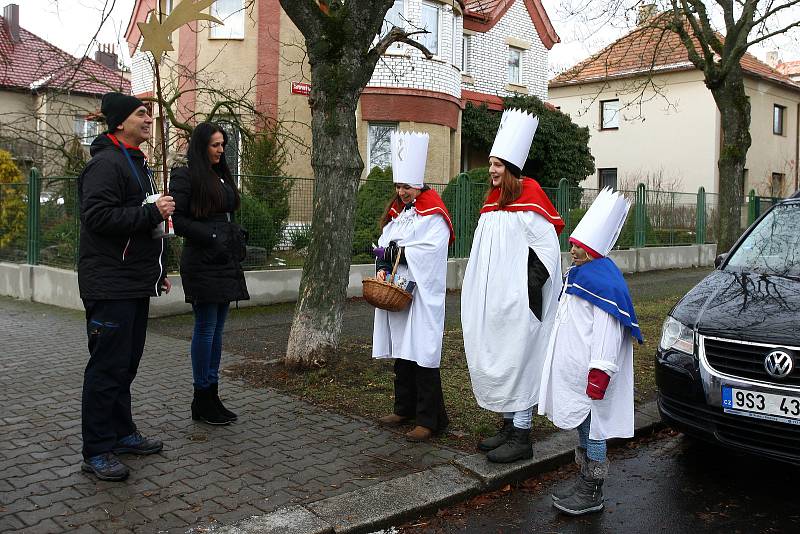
(517, 447)
(498, 439)
(581, 460)
(588, 496)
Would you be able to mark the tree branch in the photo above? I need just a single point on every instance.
(772, 34)
(305, 14)
(770, 12)
(398, 35)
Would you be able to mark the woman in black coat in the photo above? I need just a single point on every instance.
(211, 271)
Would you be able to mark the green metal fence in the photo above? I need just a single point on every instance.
(277, 212)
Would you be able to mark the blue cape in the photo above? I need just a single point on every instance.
(600, 282)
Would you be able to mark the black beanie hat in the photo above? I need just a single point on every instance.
(513, 169)
(117, 107)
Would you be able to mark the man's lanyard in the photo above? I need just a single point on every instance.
(136, 173)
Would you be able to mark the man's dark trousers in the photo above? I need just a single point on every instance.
(418, 393)
(116, 331)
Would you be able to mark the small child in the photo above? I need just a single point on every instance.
(587, 381)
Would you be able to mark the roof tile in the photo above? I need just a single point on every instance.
(651, 47)
(33, 63)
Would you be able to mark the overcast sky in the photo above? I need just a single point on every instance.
(72, 24)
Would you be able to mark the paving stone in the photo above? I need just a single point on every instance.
(281, 451)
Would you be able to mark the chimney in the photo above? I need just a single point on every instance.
(646, 13)
(773, 59)
(107, 55)
(11, 18)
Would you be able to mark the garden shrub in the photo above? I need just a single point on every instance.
(255, 215)
(13, 205)
(372, 198)
(267, 190)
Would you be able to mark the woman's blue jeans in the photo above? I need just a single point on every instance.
(209, 321)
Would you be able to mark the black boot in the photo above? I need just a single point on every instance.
(581, 460)
(221, 407)
(205, 409)
(588, 496)
(498, 439)
(518, 447)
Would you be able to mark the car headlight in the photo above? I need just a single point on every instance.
(677, 336)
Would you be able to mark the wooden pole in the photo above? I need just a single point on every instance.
(162, 128)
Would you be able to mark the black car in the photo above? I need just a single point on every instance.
(728, 364)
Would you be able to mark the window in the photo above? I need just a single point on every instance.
(395, 17)
(609, 114)
(776, 189)
(607, 178)
(430, 22)
(232, 147)
(379, 147)
(778, 113)
(231, 13)
(465, 46)
(86, 130)
(514, 65)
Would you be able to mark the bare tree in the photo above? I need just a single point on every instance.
(716, 36)
(343, 50)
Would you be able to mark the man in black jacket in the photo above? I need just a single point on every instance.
(120, 267)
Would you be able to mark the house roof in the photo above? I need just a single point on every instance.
(789, 68)
(33, 63)
(482, 15)
(651, 47)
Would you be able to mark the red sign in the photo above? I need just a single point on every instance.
(301, 88)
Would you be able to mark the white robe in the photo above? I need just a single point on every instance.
(503, 340)
(415, 333)
(586, 337)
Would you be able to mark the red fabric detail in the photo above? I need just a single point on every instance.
(590, 251)
(127, 146)
(596, 384)
(427, 203)
(532, 198)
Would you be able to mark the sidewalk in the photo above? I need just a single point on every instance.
(282, 452)
(285, 467)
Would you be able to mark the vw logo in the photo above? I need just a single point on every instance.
(779, 364)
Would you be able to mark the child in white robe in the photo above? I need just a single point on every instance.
(587, 381)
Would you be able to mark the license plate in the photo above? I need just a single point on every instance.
(761, 405)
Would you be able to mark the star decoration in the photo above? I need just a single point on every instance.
(156, 35)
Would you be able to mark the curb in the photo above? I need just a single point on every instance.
(393, 501)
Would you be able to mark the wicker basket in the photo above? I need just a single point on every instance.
(384, 294)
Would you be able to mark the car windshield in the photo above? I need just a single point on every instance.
(773, 247)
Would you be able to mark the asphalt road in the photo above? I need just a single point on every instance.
(673, 484)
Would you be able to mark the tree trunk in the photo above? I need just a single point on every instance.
(734, 108)
(337, 168)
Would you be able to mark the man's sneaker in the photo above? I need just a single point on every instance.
(137, 444)
(105, 466)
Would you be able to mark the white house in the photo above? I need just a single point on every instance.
(653, 120)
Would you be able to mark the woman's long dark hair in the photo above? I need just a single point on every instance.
(207, 193)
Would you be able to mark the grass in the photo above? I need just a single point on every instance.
(356, 384)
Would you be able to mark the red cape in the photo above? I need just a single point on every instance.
(427, 203)
(532, 198)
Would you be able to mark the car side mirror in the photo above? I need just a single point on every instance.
(719, 260)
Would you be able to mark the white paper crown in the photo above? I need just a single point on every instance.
(600, 227)
(409, 156)
(514, 137)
